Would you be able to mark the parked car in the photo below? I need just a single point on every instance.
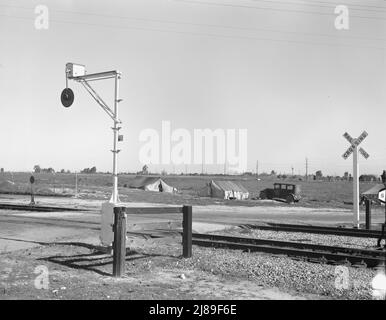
(282, 191)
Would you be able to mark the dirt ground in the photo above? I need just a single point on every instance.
(154, 270)
(62, 246)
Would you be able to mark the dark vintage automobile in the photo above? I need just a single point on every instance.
(282, 191)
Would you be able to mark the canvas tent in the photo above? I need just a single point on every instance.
(225, 190)
(152, 184)
(372, 193)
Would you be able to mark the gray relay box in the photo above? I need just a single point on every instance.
(75, 70)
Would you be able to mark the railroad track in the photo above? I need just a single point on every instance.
(311, 252)
(348, 232)
(27, 207)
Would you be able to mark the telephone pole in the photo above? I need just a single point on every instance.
(306, 169)
(257, 168)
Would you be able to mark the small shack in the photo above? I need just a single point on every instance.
(372, 193)
(229, 190)
(151, 184)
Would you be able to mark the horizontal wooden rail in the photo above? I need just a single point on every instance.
(153, 210)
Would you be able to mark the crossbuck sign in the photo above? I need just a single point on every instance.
(354, 150)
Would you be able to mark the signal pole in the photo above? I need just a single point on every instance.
(77, 73)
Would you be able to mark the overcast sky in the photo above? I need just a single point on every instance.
(279, 69)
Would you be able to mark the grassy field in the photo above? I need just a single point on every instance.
(314, 193)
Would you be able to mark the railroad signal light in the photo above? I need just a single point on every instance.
(67, 97)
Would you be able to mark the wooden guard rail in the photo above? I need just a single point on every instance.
(119, 244)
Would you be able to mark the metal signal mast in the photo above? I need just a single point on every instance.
(77, 72)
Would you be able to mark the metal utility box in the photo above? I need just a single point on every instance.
(74, 70)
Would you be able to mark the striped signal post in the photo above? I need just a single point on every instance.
(354, 150)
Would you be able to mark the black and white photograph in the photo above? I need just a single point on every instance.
(194, 155)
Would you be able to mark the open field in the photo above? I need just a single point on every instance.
(314, 193)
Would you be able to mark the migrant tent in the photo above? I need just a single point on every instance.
(225, 190)
(152, 184)
(372, 193)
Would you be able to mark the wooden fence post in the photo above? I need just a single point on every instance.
(368, 214)
(119, 244)
(187, 231)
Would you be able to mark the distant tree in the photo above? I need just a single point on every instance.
(164, 172)
(368, 177)
(89, 170)
(37, 169)
(2, 170)
(319, 174)
(62, 171)
(273, 173)
(145, 170)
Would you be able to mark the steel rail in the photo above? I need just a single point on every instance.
(323, 253)
(9, 206)
(348, 232)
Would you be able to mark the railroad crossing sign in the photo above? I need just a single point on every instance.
(355, 143)
(353, 149)
(382, 195)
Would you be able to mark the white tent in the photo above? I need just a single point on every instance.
(225, 190)
(152, 184)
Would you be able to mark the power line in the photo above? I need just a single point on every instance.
(324, 4)
(205, 34)
(346, 4)
(199, 2)
(202, 24)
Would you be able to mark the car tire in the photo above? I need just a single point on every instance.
(290, 199)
